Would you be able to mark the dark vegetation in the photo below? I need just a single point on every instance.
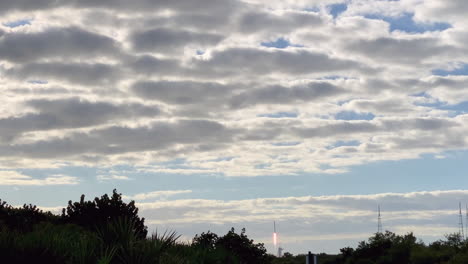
(108, 230)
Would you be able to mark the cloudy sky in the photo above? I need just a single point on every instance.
(214, 114)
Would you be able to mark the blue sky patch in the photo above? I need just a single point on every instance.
(337, 9)
(262, 166)
(335, 77)
(344, 143)
(280, 115)
(18, 23)
(313, 9)
(286, 144)
(38, 82)
(280, 43)
(455, 109)
(406, 23)
(351, 115)
(463, 70)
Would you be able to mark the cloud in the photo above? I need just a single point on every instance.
(405, 51)
(121, 139)
(249, 61)
(70, 113)
(396, 207)
(157, 195)
(112, 177)
(55, 43)
(204, 6)
(257, 22)
(436, 10)
(25, 5)
(181, 92)
(283, 95)
(147, 66)
(192, 81)
(163, 40)
(13, 178)
(96, 74)
(343, 219)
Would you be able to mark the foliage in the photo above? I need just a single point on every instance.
(23, 218)
(383, 248)
(231, 248)
(109, 231)
(98, 212)
(243, 247)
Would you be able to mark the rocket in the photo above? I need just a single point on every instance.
(275, 237)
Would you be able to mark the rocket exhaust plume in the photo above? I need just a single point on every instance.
(275, 236)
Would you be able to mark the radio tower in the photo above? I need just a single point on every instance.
(379, 222)
(460, 222)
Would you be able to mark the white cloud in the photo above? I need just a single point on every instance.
(131, 84)
(343, 219)
(112, 177)
(157, 195)
(13, 178)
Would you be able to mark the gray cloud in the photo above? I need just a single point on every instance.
(181, 92)
(255, 21)
(93, 74)
(338, 128)
(119, 139)
(427, 124)
(380, 125)
(70, 113)
(249, 61)
(437, 10)
(406, 51)
(164, 40)
(283, 95)
(203, 6)
(144, 51)
(55, 43)
(26, 5)
(149, 66)
(207, 95)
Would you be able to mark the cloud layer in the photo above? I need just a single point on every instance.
(157, 82)
(308, 221)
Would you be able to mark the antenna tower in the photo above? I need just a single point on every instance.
(460, 222)
(379, 222)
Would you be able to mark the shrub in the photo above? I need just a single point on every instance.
(100, 211)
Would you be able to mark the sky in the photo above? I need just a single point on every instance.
(214, 114)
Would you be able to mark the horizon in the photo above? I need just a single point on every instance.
(214, 114)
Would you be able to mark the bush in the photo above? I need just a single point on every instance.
(24, 218)
(232, 247)
(99, 212)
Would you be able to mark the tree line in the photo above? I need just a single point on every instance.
(106, 230)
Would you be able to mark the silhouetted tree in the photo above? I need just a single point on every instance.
(206, 240)
(243, 247)
(101, 211)
(231, 248)
(24, 218)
